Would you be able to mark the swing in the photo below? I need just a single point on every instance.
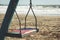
(23, 31)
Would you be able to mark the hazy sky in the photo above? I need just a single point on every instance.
(35, 2)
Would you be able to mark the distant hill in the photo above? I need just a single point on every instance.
(36, 5)
(47, 5)
(3, 5)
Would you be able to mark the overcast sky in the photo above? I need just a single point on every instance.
(35, 2)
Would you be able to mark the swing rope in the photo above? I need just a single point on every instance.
(26, 17)
(33, 15)
(19, 21)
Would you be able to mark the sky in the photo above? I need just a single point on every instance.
(35, 2)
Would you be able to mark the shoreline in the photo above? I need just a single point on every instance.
(39, 11)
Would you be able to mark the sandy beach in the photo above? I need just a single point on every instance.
(49, 27)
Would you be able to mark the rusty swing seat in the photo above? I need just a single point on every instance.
(24, 32)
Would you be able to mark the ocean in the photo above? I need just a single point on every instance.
(38, 10)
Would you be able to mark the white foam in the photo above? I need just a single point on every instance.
(37, 9)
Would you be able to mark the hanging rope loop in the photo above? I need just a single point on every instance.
(33, 15)
(18, 20)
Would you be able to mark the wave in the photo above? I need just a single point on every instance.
(38, 10)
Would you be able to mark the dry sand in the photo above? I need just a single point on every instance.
(49, 27)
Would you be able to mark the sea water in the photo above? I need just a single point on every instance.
(38, 10)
